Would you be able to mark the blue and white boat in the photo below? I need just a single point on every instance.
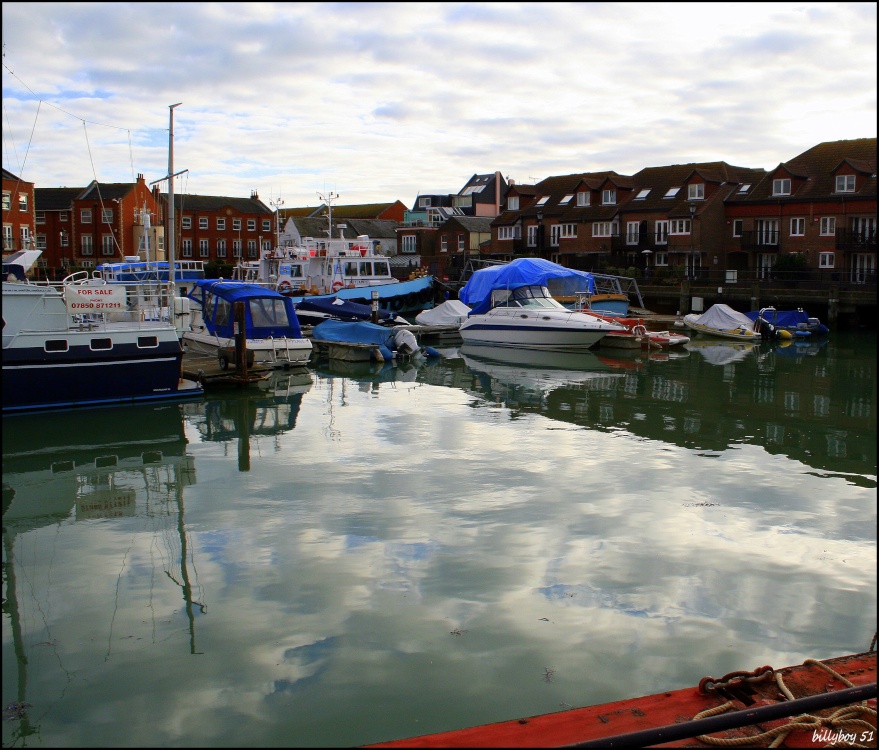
(271, 327)
(514, 305)
(313, 311)
(79, 344)
(362, 341)
(798, 322)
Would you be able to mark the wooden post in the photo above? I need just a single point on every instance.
(240, 340)
(755, 296)
(684, 301)
(833, 304)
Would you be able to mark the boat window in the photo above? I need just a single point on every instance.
(366, 269)
(265, 313)
(351, 268)
(56, 345)
(296, 272)
(147, 342)
(382, 269)
(224, 312)
(100, 344)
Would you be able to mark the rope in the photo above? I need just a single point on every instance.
(847, 717)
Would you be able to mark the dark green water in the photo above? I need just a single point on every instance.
(354, 554)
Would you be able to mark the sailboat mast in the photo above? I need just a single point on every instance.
(171, 224)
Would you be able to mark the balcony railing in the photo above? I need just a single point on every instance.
(761, 239)
(849, 239)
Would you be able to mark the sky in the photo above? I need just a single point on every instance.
(379, 102)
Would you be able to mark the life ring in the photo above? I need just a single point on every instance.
(285, 287)
(337, 285)
(360, 249)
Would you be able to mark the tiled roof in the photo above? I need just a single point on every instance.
(660, 180)
(214, 203)
(55, 199)
(105, 191)
(474, 223)
(317, 227)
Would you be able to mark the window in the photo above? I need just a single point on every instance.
(7, 201)
(781, 187)
(797, 227)
(86, 247)
(660, 259)
(147, 342)
(186, 222)
(608, 197)
(107, 244)
(444, 243)
(555, 231)
(542, 201)
(64, 239)
(603, 228)
(845, 183)
(632, 229)
(408, 243)
(25, 234)
(583, 199)
(203, 251)
(532, 235)
(828, 225)
(266, 225)
(826, 260)
(460, 243)
(187, 248)
(767, 231)
(744, 188)
(236, 248)
(251, 225)
(41, 242)
(424, 201)
(737, 227)
(679, 226)
(85, 216)
(671, 192)
(56, 345)
(642, 194)
(221, 248)
(202, 222)
(509, 233)
(568, 231)
(22, 202)
(661, 232)
(513, 203)
(221, 224)
(236, 225)
(566, 200)
(106, 215)
(696, 191)
(251, 249)
(63, 216)
(7, 237)
(40, 217)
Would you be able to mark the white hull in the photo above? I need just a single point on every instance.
(737, 334)
(544, 329)
(282, 352)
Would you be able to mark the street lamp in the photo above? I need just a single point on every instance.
(540, 233)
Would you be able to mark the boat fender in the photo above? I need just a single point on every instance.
(383, 351)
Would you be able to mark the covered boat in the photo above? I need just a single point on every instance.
(271, 326)
(721, 320)
(361, 340)
(313, 311)
(798, 321)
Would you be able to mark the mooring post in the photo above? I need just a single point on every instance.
(240, 340)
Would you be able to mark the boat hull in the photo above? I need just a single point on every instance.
(403, 297)
(534, 329)
(737, 334)
(279, 352)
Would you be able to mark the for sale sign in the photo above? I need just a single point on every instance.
(94, 299)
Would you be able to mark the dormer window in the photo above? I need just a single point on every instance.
(513, 203)
(583, 199)
(542, 201)
(696, 191)
(608, 197)
(671, 192)
(744, 188)
(845, 183)
(643, 194)
(566, 200)
(424, 201)
(781, 187)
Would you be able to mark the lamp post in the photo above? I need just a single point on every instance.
(540, 233)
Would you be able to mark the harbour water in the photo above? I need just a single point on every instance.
(356, 553)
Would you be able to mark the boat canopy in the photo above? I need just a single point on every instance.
(342, 309)
(561, 281)
(17, 264)
(798, 318)
(723, 317)
(450, 312)
(268, 314)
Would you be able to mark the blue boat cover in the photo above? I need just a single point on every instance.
(561, 281)
(267, 312)
(790, 320)
(342, 309)
(354, 332)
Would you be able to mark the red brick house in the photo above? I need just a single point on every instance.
(18, 213)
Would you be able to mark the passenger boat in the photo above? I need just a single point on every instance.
(345, 269)
(271, 327)
(831, 702)
(512, 306)
(798, 322)
(80, 344)
(722, 321)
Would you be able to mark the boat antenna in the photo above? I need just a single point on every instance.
(328, 199)
(276, 204)
(171, 224)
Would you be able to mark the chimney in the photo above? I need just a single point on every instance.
(253, 195)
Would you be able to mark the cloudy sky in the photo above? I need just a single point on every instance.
(378, 102)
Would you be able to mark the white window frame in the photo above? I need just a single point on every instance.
(221, 248)
(7, 200)
(106, 215)
(186, 248)
(86, 246)
(22, 202)
(266, 225)
(604, 228)
(444, 243)
(642, 194)
(85, 216)
(826, 260)
(513, 203)
(408, 243)
(221, 224)
(672, 192)
(65, 240)
(202, 222)
(738, 227)
(798, 227)
(568, 231)
(424, 202)
(108, 246)
(828, 226)
(532, 235)
(633, 230)
(461, 241)
(204, 250)
(609, 197)
(251, 249)
(41, 242)
(679, 226)
(542, 200)
(509, 233)
(251, 225)
(566, 200)
(584, 198)
(236, 225)
(39, 217)
(660, 232)
(781, 186)
(186, 222)
(696, 191)
(660, 259)
(845, 183)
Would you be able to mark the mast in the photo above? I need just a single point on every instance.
(328, 199)
(172, 225)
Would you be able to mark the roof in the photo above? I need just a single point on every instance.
(55, 199)
(190, 202)
(474, 223)
(105, 191)
(317, 227)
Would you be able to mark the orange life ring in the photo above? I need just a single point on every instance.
(285, 287)
(337, 285)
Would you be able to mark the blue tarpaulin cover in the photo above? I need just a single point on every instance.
(790, 319)
(267, 313)
(561, 281)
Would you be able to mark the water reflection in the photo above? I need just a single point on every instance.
(64, 475)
